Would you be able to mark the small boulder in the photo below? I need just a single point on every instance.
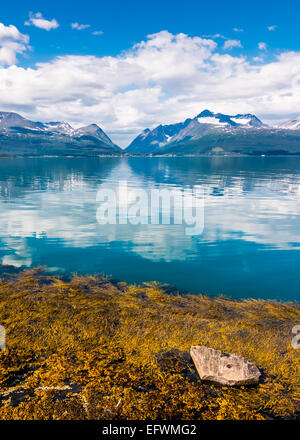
(2, 338)
(224, 368)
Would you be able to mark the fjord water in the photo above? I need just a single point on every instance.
(250, 245)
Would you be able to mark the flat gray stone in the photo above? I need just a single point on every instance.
(224, 368)
(2, 338)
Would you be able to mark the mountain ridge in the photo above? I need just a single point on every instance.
(207, 133)
(21, 136)
(217, 133)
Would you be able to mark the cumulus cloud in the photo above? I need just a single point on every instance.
(12, 42)
(238, 30)
(262, 46)
(97, 33)
(80, 27)
(230, 44)
(38, 21)
(272, 28)
(163, 79)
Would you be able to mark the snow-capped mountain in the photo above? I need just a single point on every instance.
(292, 124)
(193, 129)
(206, 133)
(94, 131)
(58, 127)
(149, 140)
(219, 119)
(9, 120)
(19, 135)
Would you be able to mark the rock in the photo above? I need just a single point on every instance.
(224, 368)
(2, 338)
(16, 395)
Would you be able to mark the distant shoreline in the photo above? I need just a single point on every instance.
(125, 155)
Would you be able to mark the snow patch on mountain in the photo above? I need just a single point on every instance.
(59, 127)
(211, 120)
(10, 120)
(293, 124)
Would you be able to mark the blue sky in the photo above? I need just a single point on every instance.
(124, 23)
(229, 56)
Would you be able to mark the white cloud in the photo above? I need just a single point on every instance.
(80, 27)
(164, 79)
(272, 28)
(230, 44)
(97, 33)
(262, 46)
(258, 59)
(38, 21)
(215, 36)
(238, 30)
(12, 42)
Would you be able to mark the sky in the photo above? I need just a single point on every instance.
(129, 65)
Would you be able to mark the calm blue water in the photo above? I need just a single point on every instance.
(250, 246)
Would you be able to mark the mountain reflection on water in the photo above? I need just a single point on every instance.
(250, 246)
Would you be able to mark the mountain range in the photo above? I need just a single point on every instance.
(217, 133)
(208, 133)
(20, 136)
